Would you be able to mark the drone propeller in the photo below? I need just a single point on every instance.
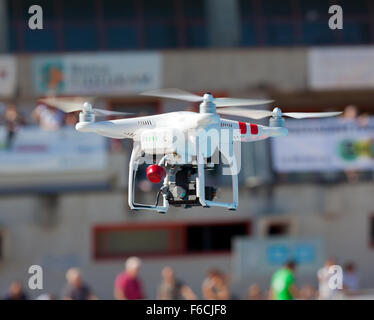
(276, 113)
(79, 104)
(179, 94)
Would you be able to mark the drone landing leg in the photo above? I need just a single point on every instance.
(200, 183)
(133, 168)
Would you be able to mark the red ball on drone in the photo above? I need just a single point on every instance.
(156, 173)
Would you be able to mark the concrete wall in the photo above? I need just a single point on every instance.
(236, 70)
(223, 18)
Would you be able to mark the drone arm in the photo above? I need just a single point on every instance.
(258, 132)
(248, 132)
(116, 129)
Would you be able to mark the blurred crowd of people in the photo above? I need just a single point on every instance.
(128, 285)
(47, 118)
(284, 283)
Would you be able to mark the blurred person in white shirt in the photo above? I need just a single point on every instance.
(323, 274)
(48, 118)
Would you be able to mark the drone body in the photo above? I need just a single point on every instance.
(178, 146)
(157, 133)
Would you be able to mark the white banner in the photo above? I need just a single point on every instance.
(66, 150)
(324, 145)
(8, 76)
(341, 68)
(93, 74)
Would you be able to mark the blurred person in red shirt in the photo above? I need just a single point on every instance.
(127, 285)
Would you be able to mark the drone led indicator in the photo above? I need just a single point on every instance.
(243, 127)
(254, 128)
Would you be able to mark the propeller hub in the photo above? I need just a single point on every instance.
(87, 107)
(208, 106)
(208, 97)
(277, 112)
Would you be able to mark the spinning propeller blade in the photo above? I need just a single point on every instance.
(66, 104)
(173, 93)
(247, 113)
(103, 112)
(304, 115)
(79, 104)
(259, 114)
(179, 94)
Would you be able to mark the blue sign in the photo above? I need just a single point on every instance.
(264, 256)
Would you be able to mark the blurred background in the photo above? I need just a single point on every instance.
(307, 197)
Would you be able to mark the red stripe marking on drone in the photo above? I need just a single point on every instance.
(243, 127)
(254, 128)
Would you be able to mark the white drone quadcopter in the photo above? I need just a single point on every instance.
(176, 139)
